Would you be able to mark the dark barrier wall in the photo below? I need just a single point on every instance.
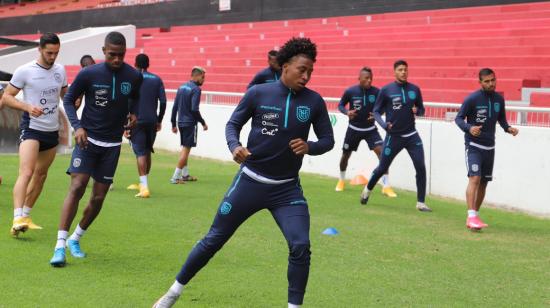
(188, 12)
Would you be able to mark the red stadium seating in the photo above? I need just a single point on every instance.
(445, 49)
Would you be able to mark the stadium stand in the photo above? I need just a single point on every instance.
(445, 49)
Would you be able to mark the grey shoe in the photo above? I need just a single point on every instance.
(167, 300)
(422, 207)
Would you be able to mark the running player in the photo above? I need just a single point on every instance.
(271, 73)
(401, 101)
(43, 82)
(361, 126)
(282, 114)
(186, 108)
(112, 90)
(477, 118)
(143, 135)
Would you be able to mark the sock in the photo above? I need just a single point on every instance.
(143, 180)
(472, 213)
(366, 192)
(17, 212)
(386, 180)
(177, 173)
(293, 306)
(61, 239)
(176, 287)
(26, 211)
(343, 175)
(77, 234)
(185, 171)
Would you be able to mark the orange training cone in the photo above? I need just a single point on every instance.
(359, 180)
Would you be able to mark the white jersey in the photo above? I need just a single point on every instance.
(41, 88)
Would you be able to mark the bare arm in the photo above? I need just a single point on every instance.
(8, 99)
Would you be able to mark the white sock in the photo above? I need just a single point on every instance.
(293, 306)
(176, 287)
(366, 192)
(472, 213)
(343, 175)
(77, 234)
(17, 212)
(61, 239)
(143, 180)
(177, 173)
(185, 171)
(26, 211)
(386, 180)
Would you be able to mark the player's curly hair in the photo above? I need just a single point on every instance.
(297, 46)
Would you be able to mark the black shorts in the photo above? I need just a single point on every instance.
(188, 136)
(479, 162)
(142, 138)
(354, 137)
(47, 140)
(97, 161)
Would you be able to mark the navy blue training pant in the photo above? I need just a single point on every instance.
(392, 146)
(245, 197)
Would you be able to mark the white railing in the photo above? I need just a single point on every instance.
(516, 115)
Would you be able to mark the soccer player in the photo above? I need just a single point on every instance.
(282, 114)
(186, 108)
(361, 99)
(477, 117)
(272, 73)
(43, 82)
(112, 90)
(85, 60)
(401, 101)
(143, 135)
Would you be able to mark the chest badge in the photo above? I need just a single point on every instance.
(497, 107)
(412, 95)
(372, 99)
(303, 113)
(125, 88)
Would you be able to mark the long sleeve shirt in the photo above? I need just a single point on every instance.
(485, 109)
(150, 95)
(279, 115)
(362, 100)
(110, 96)
(186, 106)
(397, 100)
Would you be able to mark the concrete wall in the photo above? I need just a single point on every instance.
(521, 175)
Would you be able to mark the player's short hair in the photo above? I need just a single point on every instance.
(49, 38)
(197, 70)
(485, 72)
(297, 46)
(399, 63)
(115, 38)
(365, 69)
(272, 53)
(142, 61)
(84, 57)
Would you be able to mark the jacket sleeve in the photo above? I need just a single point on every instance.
(239, 117)
(75, 90)
(343, 102)
(378, 109)
(162, 100)
(323, 130)
(195, 102)
(460, 118)
(502, 118)
(175, 108)
(420, 110)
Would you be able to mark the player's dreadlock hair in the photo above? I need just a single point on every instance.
(297, 46)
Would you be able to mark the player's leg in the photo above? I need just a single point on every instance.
(244, 198)
(43, 163)
(375, 143)
(474, 162)
(188, 140)
(293, 220)
(392, 146)
(343, 166)
(486, 176)
(191, 143)
(351, 143)
(415, 149)
(28, 155)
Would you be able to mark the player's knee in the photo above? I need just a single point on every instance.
(26, 173)
(299, 253)
(213, 242)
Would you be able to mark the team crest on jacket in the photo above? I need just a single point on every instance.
(497, 107)
(125, 88)
(372, 99)
(412, 95)
(302, 113)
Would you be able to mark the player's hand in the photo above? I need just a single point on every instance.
(512, 130)
(159, 126)
(81, 138)
(240, 154)
(127, 134)
(414, 110)
(132, 120)
(175, 130)
(299, 146)
(35, 111)
(475, 130)
(205, 127)
(389, 126)
(352, 114)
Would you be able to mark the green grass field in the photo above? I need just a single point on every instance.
(387, 253)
